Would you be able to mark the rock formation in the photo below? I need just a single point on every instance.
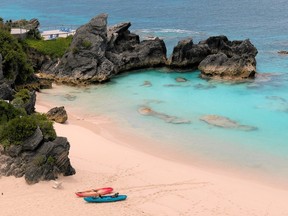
(217, 57)
(36, 159)
(57, 114)
(98, 52)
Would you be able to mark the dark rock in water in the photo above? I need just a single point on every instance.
(222, 67)
(217, 57)
(233, 60)
(225, 122)
(98, 53)
(202, 86)
(70, 97)
(167, 118)
(181, 79)
(283, 52)
(57, 114)
(147, 84)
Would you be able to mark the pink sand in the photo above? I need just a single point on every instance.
(154, 185)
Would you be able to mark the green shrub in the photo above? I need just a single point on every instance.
(39, 160)
(53, 48)
(9, 112)
(18, 129)
(46, 126)
(15, 62)
(86, 44)
(51, 160)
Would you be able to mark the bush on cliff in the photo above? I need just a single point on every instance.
(53, 48)
(15, 62)
(20, 128)
(9, 112)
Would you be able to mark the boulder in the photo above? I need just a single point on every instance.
(50, 160)
(233, 68)
(57, 114)
(98, 53)
(283, 52)
(33, 142)
(217, 57)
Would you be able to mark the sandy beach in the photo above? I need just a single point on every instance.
(155, 186)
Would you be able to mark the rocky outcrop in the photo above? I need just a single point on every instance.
(36, 159)
(57, 114)
(98, 52)
(187, 55)
(217, 57)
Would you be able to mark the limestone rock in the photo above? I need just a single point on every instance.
(188, 55)
(217, 57)
(46, 161)
(57, 114)
(32, 142)
(98, 53)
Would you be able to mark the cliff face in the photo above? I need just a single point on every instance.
(98, 52)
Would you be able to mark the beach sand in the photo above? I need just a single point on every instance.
(154, 185)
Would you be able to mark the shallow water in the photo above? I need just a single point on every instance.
(262, 103)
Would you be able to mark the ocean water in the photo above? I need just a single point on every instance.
(262, 103)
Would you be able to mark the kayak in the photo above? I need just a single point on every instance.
(94, 192)
(104, 199)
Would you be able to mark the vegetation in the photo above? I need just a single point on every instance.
(16, 125)
(15, 62)
(9, 112)
(18, 129)
(54, 48)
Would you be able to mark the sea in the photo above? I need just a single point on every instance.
(261, 103)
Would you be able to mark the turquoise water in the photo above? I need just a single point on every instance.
(262, 103)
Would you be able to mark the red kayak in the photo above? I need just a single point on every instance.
(94, 192)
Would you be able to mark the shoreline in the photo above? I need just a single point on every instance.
(154, 185)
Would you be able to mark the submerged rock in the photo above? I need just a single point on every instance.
(225, 122)
(167, 118)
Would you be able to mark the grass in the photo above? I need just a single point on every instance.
(54, 48)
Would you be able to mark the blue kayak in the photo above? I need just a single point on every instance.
(104, 199)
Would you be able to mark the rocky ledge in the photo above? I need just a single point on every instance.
(98, 52)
